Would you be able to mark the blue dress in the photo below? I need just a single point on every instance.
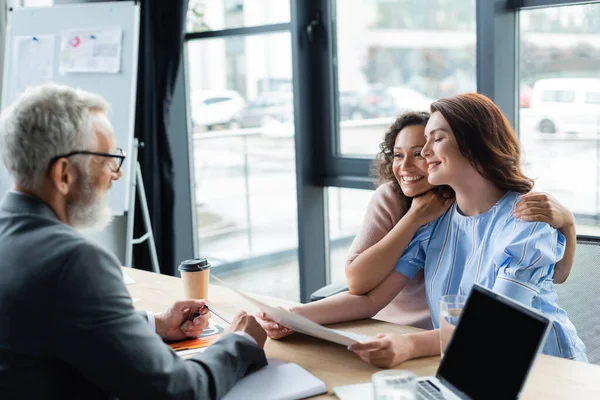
(496, 250)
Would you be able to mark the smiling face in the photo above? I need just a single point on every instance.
(446, 164)
(409, 166)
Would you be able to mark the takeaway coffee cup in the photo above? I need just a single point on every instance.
(195, 275)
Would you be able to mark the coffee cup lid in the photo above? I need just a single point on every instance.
(193, 265)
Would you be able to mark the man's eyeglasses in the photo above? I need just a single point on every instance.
(115, 163)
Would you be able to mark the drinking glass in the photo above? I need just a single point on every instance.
(450, 309)
(394, 384)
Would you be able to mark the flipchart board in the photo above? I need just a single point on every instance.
(91, 46)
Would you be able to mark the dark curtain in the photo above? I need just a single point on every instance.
(162, 27)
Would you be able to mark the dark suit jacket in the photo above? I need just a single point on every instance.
(68, 329)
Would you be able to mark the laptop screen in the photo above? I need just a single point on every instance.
(492, 347)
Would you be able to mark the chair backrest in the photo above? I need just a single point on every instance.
(329, 290)
(579, 296)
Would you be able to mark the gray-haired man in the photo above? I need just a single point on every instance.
(67, 325)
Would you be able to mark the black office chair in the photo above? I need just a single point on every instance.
(328, 290)
(579, 296)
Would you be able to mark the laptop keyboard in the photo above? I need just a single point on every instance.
(426, 391)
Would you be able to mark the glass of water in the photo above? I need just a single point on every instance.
(450, 308)
(394, 384)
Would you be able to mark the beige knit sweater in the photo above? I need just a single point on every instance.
(384, 211)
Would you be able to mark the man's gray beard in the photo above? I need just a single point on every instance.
(91, 211)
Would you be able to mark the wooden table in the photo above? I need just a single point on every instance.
(551, 377)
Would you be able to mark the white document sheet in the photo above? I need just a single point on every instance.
(91, 50)
(33, 59)
(277, 382)
(301, 324)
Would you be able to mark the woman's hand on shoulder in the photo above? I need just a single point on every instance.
(542, 207)
(429, 206)
(273, 329)
(384, 350)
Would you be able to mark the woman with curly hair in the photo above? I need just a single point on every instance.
(469, 146)
(402, 203)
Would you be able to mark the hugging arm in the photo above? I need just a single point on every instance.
(386, 232)
(370, 258)
(562, 269)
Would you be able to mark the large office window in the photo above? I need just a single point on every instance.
(242, 116)
(398, 55)
(559, 103)
(214, 15)
(346, 210)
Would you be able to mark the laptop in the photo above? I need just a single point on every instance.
(491, 350)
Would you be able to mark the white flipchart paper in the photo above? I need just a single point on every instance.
(33, 58)
(91, 50)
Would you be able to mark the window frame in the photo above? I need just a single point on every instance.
(520, 5)
(353, 171)
(497, 62)
(313, 253)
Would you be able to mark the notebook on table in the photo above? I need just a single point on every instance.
(277, 381)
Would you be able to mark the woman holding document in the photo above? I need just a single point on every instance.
(470, 147)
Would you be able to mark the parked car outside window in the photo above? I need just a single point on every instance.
(212, 108)
(566, 105)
